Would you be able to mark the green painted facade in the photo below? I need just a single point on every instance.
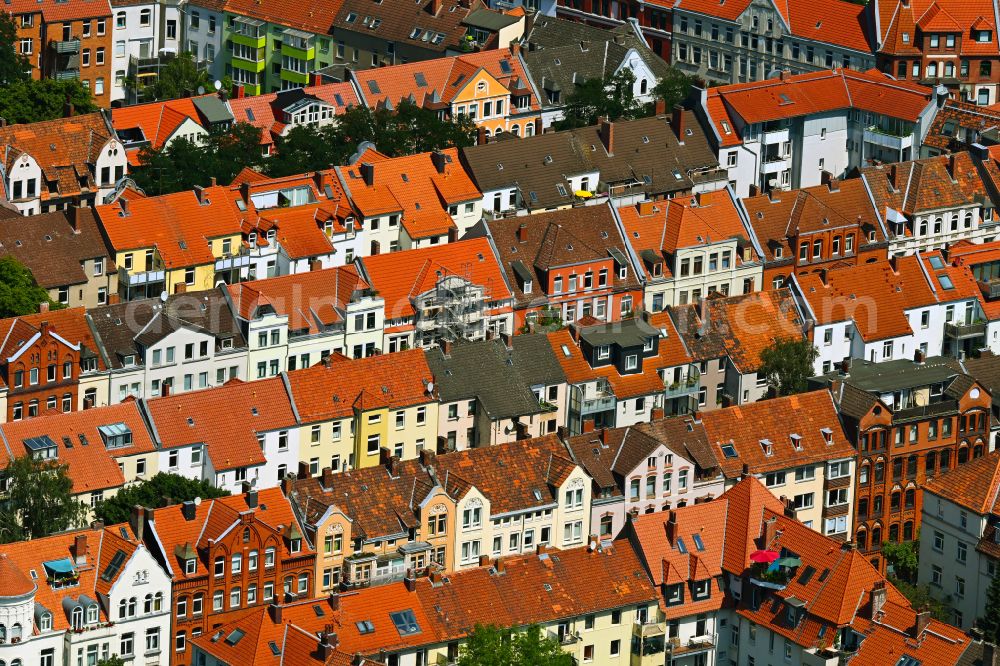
(264, 57)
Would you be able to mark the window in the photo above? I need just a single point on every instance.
(153, 639)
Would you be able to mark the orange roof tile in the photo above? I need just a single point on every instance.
(266, 111)
(974, 485)
(943, 16)
(156, 120)
(211, 417)
(56, 11)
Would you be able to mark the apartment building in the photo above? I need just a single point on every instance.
(930, 203)
(155, 125)
(747, 41)
(146, 35)
(104, 449)
(411, 201)
(65, 253)
(910, 421)
(645, 468)
(959, 126)
(813, 228)
(725, 337)
(784, 132)
(67, 40)
(490, 88)
(442, 292)
(969, 269)
(235, 434)
(348, 410)
(161, 346)
(624, 373)
(80, 596)
(689, 248)
(225, 554)
(960, 548)
(81, 170)
(947, 43)
(497, 390)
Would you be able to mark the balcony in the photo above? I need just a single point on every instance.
(599, 404)
(249, 32)
(297, 44)
(774, 136)
(67, 46)
(921, 412)
(233, 260)
(958, 331)
(67, 74)
(762, 576)
(990, 289)
(140, 278)
(894, 139)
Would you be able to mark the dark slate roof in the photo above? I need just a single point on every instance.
(985, 370)
(487, 19)
(498, 377)
(893, 375)
(685, 436)
(566, 53)
(123, 328)
(212, 109)
(50, 247)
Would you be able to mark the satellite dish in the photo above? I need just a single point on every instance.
(430, 387)
(201, 90)
(218, 84)
(163, 297)
(197, 501)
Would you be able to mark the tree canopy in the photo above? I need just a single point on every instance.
(40, 502)
(787, 363)
(612, 97)
(152, 493)
(32, 101)
(903, 558)
(674, 87)
(179, 76)
(990, 622)
(19, 293)
(494, 646)
(14, 65)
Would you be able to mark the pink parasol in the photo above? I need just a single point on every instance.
(763, 556)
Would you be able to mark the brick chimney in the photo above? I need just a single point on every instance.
(677, 122)
(73, 217)
(274, 610)
(671, 526)
(607, 134)
(481, 136)
(303, 470)
(522, 233)
(427, 457)
(659, 107)
(43, 306)
(439, 160)
(80, 549)
(878, 595)
(368, 173)
(894, 264)
(137, 521)
(327, 478)
(923, 620)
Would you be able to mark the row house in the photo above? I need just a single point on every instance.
(814, 228)
(930, 203)
(624, 373)
(440, 293)
(67, 40)
(798, 449)
(490, 88)
(81, 596)
(567, 265)
(594, 603)
(83, 168)
(348, 411)
(747, 41)
(944, 42)
(230, 553)
(877, 311)
(959, 126)
(174, 344)
(497, 390)
(645, 468)
(294, 321)
(625, 161)
(104, 449)
(724, 338)
(910, 421)
(278, 113)
(690, 248)
(146, 35)
(960, 549)
(970, 270)
(412, 201)
(156, 125)
(65, 253)
(560, 54)
(236, 434)
(785, 132)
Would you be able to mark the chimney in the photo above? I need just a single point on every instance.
(507, 340)
(327, 643)
(327, 478)
(878, 598)
(951, 165)
(603, 435)
(845, 367)
(659, 107)
(3, 122)
(376, 248)
(303, 470)
(180, 288)
(754, 190)
(315, 79)
(918, 356)
(588, 425)
(123, 203)
(334, 602)
(991, 657)
(784, 75)
(562, 432)
(427, 457)
(607, 134)
(439, 160)
(410, 581)
(894, 264)
(481, 136)
(251, 499)
(73, 217)
(245, 192)
(677, 122)
(368, 173)
(80, 548)
(832, 183)
(671, 526)
(434, 7)
(287, 486)
(199, 193)
(452, 234)
(484, 560)
(68, 109)
(240, 92)
(823, 277)
(656, 414)
(274, 610)
(446, 347)
(847, 546)
(315, 265)
(522, 233)
(188, 510)
(923, 619)
(43, 306)
(137, 521)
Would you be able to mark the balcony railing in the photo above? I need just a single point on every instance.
(990, 288)
(67, 46)
(917, 413)
(601, 404)
(962, 331)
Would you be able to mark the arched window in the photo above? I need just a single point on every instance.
(876, 537)
(894, 501)
(77, 618)
(132, 603)
(879, 471)
(643, 87)
(893, 533)
(862, 539)
(930, 462)
(3, 632)
(515, 130)
(303, 583)
(147, 604)
(246, 535)
(908, 531)
(963, 454)
(92, 614)
(977, 451)
(909, 501)
(529, 129)
(158, 602)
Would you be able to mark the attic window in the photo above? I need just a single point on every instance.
(681, 547)
(365, 627)
(946, 282)
(698, 543)
(415, 33)
(677, 174)
(546, 587)
(351, 18)
(537, 493)
(645, 139)
(565, 350)
(729, 451)
(726, 128)
(235, 636)
(499, 166)
(796, 441)
(406, 622)
(275, 650)
(765, 445)
(561, 189)
(827, 435)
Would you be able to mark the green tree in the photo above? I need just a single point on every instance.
(41, 500)
(787, 363)
(990, 621)
(151, 493)
(32, 101)
(306, 148)
(405, 130)
(111, 661)
(903, 557)
(178, 77)
(674, 87)
(493, 646)
(14, 65)
(613, 98)
(920, 597)
(19, 293)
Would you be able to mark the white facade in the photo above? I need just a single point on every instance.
(142, 31)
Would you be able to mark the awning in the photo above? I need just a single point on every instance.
(63, 566)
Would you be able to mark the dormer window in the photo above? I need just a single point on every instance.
(765, 445)
(827, 435)
(295, 545)
(796, 440)
(603, 352)
(647, 346)
(657, 269)
(675, 594)
(190, 566)
(45, 622)
(92, 614)
(701, 589)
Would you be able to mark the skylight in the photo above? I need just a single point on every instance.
(729, 451)
(945, 282)
(365, 627)
(698, 543)
(235, 636)
(406, 622)
(680, 545)
(114, 566)
(936, 262)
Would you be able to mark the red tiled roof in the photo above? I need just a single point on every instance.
(156, 120)
(974, 485)
(399, 277)
(314, 16)
(263, 110)
(56, 11)
(226, 419)
(942, 16)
